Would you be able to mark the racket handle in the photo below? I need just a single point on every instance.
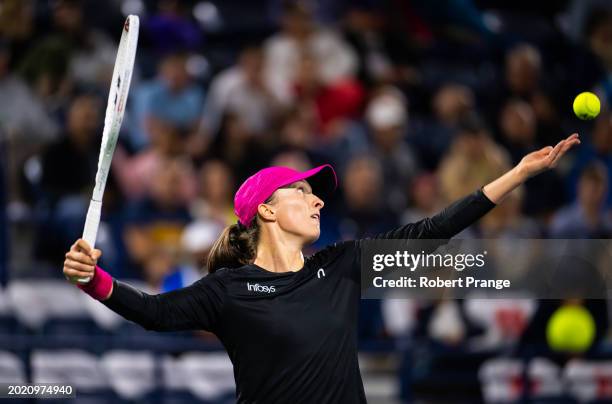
(90, 232)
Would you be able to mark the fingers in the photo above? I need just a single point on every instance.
(77, 266)
(82, 245)
(80, 257)
(573, 136)
(74, 270)
(96, 254)
(552, 155)
(544, 151)
(569, 143)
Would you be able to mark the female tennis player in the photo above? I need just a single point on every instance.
(287, 322)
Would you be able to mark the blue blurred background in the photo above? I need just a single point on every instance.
(415, 103)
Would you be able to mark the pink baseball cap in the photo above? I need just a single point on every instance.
(258, 187)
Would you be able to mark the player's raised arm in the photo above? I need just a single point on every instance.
(195, 307)
(464, 212)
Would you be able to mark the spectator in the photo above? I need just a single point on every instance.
(451, 103)
(586, 218)
(134, 173)
(473, 160)
(518, 124)
(154, 225)
(333, 59)
(92, 51)
(171, 99)
(241, 90)
(68, 169)
(333, 102)
(298, 128)
(387, 119)
(525, 80)
(365, 211)
(215, 202)
(425, 198)
(580, 12)
(24, 120)
(238, 147)
(456, 22)
(523, 70)
(24, 117)
(69, 164)
(518, 128)
(45, 67)
(196, 242)
(170, 28)
(384, 57)
(17, 26)
(363, 27)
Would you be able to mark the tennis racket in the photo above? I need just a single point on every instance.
(117, 98)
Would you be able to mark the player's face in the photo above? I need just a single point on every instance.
(298, 211)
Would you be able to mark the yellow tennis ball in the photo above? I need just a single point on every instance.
(570, 329)
(586, 105)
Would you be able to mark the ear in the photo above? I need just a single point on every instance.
(266, 212)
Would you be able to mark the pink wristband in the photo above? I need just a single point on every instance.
(100, 286)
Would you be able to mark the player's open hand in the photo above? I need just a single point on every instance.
(81, 261)
(547, 157)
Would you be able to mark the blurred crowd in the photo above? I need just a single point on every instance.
(415, 103)
(414, 107)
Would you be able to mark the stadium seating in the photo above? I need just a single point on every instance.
(499, 378)
(207, 376)
(35, 301)
(131, 374)
(589, 381)
(12, 369)
(580, 380)
(78, 368)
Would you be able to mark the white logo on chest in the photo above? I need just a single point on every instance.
(256, 287)
(320, 273)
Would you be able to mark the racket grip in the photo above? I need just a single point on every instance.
(90, 232)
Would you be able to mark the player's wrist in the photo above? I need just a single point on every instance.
(100, 286)
(519, 174)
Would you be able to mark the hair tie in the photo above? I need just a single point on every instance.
(241, 227)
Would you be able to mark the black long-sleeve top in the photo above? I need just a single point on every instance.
(290, 336)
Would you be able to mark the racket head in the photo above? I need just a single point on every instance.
(117, 99)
